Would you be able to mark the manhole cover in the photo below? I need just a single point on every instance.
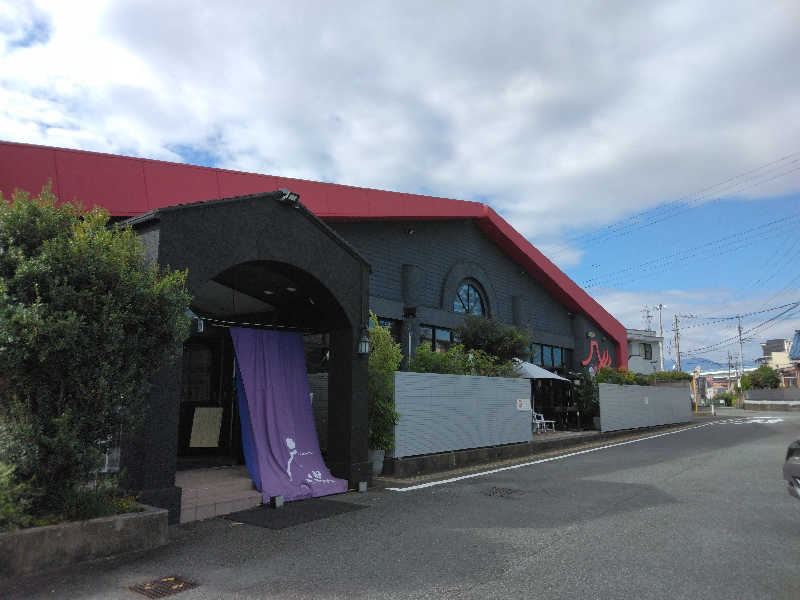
(163, 587)
(501, 492)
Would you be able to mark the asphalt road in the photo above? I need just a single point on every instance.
(702, 513)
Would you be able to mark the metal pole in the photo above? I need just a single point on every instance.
(661, 335)
(677, 343)
(730, 361)
(741, 352)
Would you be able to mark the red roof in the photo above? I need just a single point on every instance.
(128, 186)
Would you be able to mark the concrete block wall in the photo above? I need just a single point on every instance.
(790, 394)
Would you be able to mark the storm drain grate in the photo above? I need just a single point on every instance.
(501, 492)
(163, 587)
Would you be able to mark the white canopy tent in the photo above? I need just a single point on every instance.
(531, 371)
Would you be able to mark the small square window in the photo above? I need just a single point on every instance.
(426, 337)
(444, 339)
(547, 360)
(536, 354)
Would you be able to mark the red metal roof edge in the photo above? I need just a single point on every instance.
(469, 212)
(391, 206)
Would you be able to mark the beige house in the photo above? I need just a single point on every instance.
(776, 356)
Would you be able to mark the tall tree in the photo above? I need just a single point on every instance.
(84, 322)
(494, 338)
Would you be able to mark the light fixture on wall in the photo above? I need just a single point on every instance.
(198, 321)
(590, 334)
(363, 342)
(290, 198)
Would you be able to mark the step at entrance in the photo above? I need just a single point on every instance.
(208, 493)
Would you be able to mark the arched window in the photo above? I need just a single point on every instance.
(469, 300)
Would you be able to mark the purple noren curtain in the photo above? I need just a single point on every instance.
(282, 435)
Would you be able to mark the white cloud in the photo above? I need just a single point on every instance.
(563, 116)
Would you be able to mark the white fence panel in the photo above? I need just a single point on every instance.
(631, 406)
(439, 413)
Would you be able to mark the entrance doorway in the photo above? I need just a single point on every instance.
(209, 433)
(261, 261)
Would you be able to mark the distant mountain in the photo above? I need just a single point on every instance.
(688, 364)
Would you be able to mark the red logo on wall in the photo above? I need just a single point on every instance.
(603, 360)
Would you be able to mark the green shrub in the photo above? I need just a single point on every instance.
(763, 377)
(384, 359)
(621, 376)
(85, 320)
(93, 502)
(587, 395)
(14, 500)
(728, 397)
(668, 376)
(495, 339)
(457, 361)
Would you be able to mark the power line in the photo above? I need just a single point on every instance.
(760, 176)
(717, 320)
(633, 219)
(733, 241)
(779, 261)
(764, 325)
(737, 240)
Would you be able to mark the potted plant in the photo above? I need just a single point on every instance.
(384, 359)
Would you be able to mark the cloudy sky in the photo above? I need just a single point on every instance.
(651, 150)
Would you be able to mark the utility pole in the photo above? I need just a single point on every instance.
(741, 352)
(677, 343)
(730, 361)
(661, 335)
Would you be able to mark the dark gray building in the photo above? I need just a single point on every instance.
(317, 266)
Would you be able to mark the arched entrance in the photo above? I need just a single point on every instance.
(264, 295)
(258, 262)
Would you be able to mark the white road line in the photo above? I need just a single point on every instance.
(420, 486)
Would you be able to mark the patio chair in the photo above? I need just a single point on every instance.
(542, 424)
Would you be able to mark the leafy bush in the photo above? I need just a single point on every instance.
(621, 376)
(384, 359)
(84, 322)
(729, 398)
(667, 376)
(15, 498)
(457, 361)
(762, 378)
(495, 339)
(587, 395)
(99, 501)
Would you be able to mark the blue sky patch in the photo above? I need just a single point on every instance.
(194, 156)
(37, 34)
